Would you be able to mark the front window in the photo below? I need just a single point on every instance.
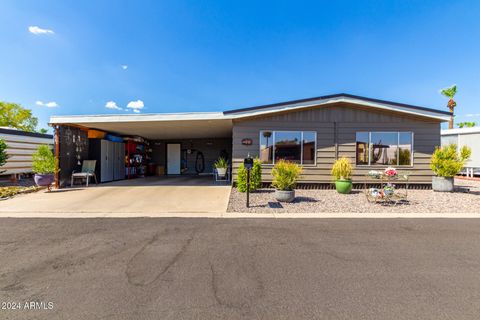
(266, 147)
(294, 146)
(309, 147)
(362, 148)
(384, 148)
(288, 146)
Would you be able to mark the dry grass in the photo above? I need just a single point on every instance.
(11, 191)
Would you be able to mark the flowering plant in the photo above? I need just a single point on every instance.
(374, 174)
(389, 189)
(390, 172)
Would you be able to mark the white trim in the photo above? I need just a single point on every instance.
(460, 131)
(319, 102)
(189, 116)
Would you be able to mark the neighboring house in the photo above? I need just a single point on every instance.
(20, 147)
(465, 137)
(313, 132)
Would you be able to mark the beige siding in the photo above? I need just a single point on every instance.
(20, 149)
(349, 120)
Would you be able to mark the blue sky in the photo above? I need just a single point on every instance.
(76, 57)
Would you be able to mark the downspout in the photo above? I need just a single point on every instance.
(335, 139)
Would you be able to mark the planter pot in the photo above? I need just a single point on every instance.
(388, 192)
(343, 186)
(43, 180)
(285, 195)
(222, 172)
(442, 184)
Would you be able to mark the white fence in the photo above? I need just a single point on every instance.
(466, 137)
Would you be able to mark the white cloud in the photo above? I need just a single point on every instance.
(472, 115)
(112, 105)
(135, 105)
(51, 104)
(38, 30)
(124, 66)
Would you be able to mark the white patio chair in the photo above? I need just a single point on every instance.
(88, 171)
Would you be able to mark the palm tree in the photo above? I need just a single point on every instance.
(266, 135)
(450, 93)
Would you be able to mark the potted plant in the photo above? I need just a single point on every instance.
(285, 175)
(446, 163)
(44, 166)
(389, 189)
(342, 172)
(221, 165)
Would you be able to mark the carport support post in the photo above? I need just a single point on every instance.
(57, 156)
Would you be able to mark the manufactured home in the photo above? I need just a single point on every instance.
(20, 147)
(465, 137)
(313, 132)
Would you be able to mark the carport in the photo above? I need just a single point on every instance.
(156, 146)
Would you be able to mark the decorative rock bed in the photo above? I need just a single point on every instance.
(466, 199)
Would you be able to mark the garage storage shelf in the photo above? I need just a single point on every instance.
(137, 156)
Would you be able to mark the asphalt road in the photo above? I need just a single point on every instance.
(240, 269)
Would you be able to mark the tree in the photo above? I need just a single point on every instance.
(466, 124)
(450, 93)
(43, 130)
(266, 135)
(3, 154)
(15, 116)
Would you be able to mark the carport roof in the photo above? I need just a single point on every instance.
(219, 124)
(156, 126)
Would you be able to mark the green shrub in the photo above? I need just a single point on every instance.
(3, 154)
(342, 169)
(447, 162)
(285, 175)
(44, 161)
(255, 177)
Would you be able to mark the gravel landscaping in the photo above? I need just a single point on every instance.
(465, 200)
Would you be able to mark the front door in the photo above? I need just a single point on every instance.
(173, 158)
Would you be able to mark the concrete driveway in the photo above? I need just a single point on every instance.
(138, 196)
